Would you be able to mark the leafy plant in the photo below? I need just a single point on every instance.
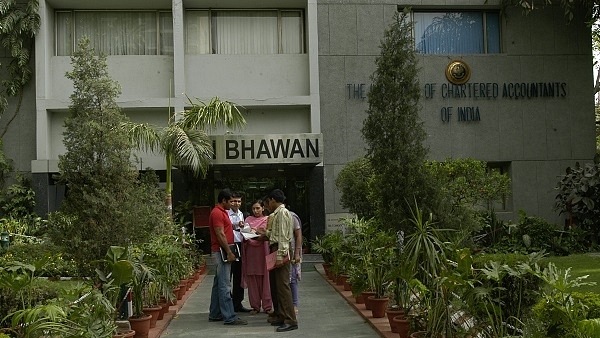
(353, 183)
(579, 196)
(19, 23)
(424, 250)
(58, 264)
(380, 261)
(38, 292)
(470, 182)
(18, 200)
(41, 321)
(143, 275)
(89, 310)
(559, 310)
(328, 245)
(357, 241)
(19, 277)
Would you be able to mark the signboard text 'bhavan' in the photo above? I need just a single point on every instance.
(269, 148)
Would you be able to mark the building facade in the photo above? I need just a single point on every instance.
(498, 86)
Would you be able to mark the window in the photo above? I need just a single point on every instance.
(457, 32)
(116, 32)
(244, 32)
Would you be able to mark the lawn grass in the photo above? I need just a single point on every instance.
(581, 265)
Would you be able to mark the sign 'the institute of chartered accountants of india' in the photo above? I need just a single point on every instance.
(267, 149)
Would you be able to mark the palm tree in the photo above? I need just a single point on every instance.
(184, 141)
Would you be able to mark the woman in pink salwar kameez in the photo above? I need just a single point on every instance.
(255, 276)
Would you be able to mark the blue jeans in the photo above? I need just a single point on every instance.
(221, 305)
(294, 285)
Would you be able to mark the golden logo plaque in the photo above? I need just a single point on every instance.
(458, 72)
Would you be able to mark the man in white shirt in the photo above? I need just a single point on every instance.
(237, 220)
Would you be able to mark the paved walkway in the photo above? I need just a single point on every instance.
(325, 311)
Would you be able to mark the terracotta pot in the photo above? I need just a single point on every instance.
(183, 284)
(347, 286)
(141, 326)
(366, 295)
(181, 292)
(418, 334)
(176, 292)
(326, 267)
(402, 326)
(124, 334)
(164, 308)
(154, 312)
(359, 299)
(378, 306)
(391, 313)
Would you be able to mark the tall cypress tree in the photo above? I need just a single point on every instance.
(393, 130)
(102, 202)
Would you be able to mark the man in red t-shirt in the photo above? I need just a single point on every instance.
(221, 235)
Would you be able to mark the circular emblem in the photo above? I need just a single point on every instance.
(458, 72)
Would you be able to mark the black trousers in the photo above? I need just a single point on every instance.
(237, 292)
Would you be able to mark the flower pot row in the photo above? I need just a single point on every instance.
(378, 306)
(142, 326)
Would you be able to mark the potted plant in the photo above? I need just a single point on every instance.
(380, 262)
(329, 246)
(115, 283)
(167, 256)
(142, 276)
(442, 273)
(151, 302)
(88, 310)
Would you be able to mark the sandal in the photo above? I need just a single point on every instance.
(253, 312)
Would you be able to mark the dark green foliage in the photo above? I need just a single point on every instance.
(59, 265)
(18, 200)
(557, 319)
(105, 204)
(515, 290)
(531, 234)
(19, 22)
(467, 186)
(6, 165)
(41, 290)
(393, 130)
(579, 197)
(353, 183)
(470, 183)
(591, 301)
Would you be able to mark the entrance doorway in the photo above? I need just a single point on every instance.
(255, 183)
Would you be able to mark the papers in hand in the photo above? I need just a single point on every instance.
(249, 235)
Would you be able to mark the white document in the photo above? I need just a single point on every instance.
(249, 235)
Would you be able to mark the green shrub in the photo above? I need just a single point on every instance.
(533, 234)
(59, 265)
(591, 301)
(579, 197)
(353, 184)
(40, 291)
(509, 280)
